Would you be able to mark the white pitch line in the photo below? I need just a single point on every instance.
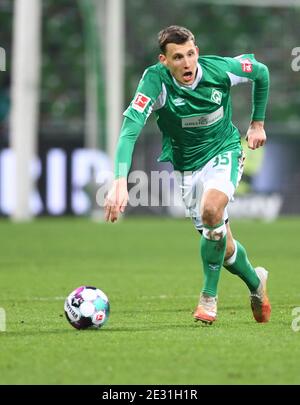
(45, 298)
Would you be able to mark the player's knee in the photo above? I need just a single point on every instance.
(216, 234)
(211, 215)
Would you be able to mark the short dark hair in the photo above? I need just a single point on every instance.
(174, 34)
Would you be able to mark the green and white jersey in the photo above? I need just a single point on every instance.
(195, 120)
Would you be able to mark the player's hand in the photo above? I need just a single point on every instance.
(116, 200)
(256, 135)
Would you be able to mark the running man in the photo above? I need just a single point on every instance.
(190, 96)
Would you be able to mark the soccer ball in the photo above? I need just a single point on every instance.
(87, 307)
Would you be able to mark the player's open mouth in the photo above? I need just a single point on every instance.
(188, 76)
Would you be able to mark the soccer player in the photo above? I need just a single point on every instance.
(190, 96)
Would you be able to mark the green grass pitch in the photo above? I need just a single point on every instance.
(151, 272)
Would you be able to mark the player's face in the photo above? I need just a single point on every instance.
(181, 60)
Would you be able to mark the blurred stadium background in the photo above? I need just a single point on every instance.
(76, 70)
(67, 71)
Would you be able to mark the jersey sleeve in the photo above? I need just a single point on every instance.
(148, 91)
(129, 133)
(246, 68)
(135, 117)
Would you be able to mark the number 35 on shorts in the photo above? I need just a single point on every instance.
(222, 159)
(232, 163)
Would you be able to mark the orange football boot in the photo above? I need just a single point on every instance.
(259, 300)
(206, 310)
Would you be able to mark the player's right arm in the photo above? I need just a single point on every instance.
(136, 116)
(117, 198)
(241, 69)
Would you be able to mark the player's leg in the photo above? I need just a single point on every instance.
(207, 212)
(212, 250)
(214, 236)
(220, 177)
(191, 190)
(237, 262)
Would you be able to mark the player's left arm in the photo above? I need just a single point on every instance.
(246, 68)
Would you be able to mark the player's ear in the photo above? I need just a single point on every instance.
(197, 50)
(162, 58)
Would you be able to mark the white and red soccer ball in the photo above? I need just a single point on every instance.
(87, 307)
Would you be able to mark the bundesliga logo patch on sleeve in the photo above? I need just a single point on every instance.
(246, 65)
(140, 102)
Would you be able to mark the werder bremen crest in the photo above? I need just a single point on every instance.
(216, 96)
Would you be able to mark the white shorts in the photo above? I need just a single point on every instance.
(223, 172)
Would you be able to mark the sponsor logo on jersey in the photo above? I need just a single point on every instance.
(179, 101)
(216, 96)
(203, 120)
(140, 102)
(246, 65)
